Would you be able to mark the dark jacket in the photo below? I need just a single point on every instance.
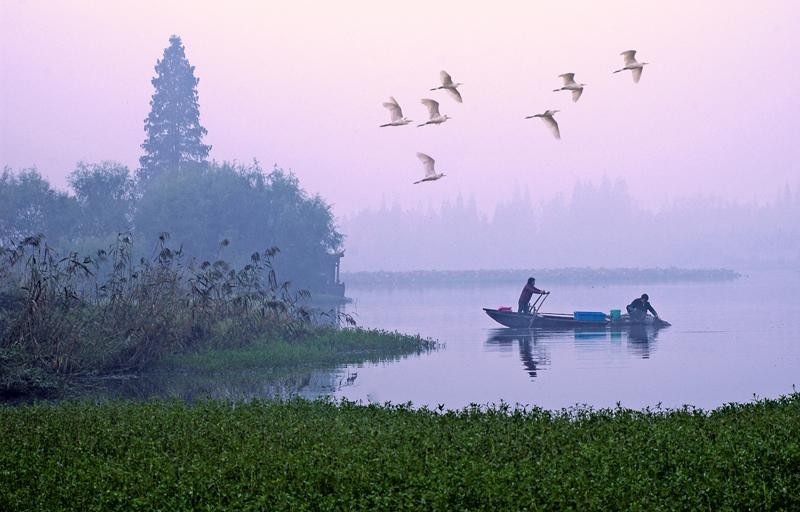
(527, 293)
(642, 306)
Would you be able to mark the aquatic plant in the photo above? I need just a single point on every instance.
(300, 455)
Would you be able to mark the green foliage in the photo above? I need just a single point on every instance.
(300, 455)
(174, 134)
(73, 315)
(29, 205)
(250, 209)
(318, 347)
(104, 193)
(19, 379)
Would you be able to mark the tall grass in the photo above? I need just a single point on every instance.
(68, 315)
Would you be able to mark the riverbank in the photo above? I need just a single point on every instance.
(298, 455)
(322, 347)
(265, 361)
(562, 276)
(65, 320)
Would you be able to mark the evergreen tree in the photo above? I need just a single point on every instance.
(174, 134)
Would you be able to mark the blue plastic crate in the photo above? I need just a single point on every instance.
(589, 316)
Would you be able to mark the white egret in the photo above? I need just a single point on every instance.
(571, 85)
(396, 117)
(632, 64)
(548, 119)
(433, 112)
(430, 173)
(449, 86)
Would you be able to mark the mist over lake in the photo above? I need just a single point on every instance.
(423, 256)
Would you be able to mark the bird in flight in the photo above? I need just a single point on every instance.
(433, 112)
(396, 117)
(430, 173)
(632, 64)
(449, 86)
(571, 85)
(548, 119)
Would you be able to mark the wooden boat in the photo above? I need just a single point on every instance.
(647, 321)
(565, 321)
(549, 320)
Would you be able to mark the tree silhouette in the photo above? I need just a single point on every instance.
(104, 192)
(174, 135)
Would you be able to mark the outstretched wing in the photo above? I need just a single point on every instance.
(553, 125)
(445, 77)
(395, 111)
(432, 106)
(569, 78)
(629, 56)
(576, 94)
(427, 163)
(637, 74)
(454, 93)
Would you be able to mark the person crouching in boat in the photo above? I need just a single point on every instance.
(527, 293)
(637, 310)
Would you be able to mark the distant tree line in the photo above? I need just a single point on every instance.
(597, 225)
(212, 210)
(569, 275)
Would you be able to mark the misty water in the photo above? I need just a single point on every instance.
(728, 342)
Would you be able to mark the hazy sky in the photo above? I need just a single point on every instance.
(300, 84)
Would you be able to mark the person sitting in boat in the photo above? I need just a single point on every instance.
(638, 309)
(527, 293)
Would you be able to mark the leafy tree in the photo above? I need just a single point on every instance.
(251, 209)
(174, 135)
(29, 205)
(104, 193)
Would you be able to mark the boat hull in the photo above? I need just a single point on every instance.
(556, 321)
(548, 320)
(647, 321)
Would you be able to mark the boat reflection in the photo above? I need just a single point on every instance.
(641, 339)
(534, 355)
(534, 344)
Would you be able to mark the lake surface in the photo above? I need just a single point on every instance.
(728, 342)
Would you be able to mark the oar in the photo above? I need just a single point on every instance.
(533, 308)
(544, 298)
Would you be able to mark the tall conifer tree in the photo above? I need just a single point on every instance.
(174, 138)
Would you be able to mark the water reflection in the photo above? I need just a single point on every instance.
(534, 344)
(641, 339)
(240, 385)
(534, 355)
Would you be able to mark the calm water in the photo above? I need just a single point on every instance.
(728, 341)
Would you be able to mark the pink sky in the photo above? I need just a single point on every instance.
(300, 84)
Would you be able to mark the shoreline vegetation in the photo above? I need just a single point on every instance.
(324, 455)
(66, 318)
(568, 276)
(320, 348)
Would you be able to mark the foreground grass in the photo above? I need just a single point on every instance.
(320, 347)
(300, 455)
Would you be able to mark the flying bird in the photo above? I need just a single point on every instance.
(430, 173)
(571, 85)
(632, 64)
(449, 86)
(396, 117)
(548, 119)
(433, 112)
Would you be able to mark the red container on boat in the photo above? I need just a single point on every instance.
(504, 308)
